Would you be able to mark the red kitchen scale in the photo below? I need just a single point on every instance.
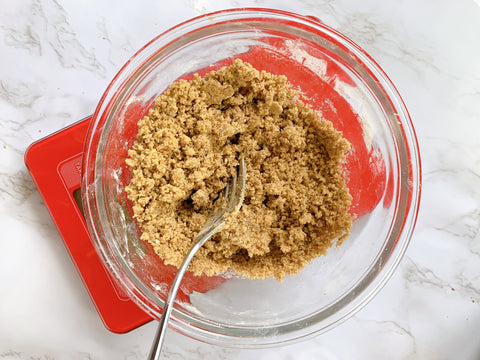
(54, 164)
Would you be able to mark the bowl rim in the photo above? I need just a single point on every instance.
(181, 322)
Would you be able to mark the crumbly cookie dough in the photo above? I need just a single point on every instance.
(187, 148)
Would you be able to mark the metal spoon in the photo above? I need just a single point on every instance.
(232, 201)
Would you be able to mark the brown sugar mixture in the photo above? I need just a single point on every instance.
(187, 148)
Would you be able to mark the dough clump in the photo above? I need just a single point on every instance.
(187, 148)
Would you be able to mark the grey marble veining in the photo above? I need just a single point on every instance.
(56, 59)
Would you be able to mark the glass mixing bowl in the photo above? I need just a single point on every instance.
(382, 170)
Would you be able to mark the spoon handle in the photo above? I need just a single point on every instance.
(167, 309)
(233, 195)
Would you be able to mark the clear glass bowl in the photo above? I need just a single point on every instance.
(339, 79)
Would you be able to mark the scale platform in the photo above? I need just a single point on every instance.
(54, 164)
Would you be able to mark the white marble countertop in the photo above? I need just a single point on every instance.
(56, 59)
